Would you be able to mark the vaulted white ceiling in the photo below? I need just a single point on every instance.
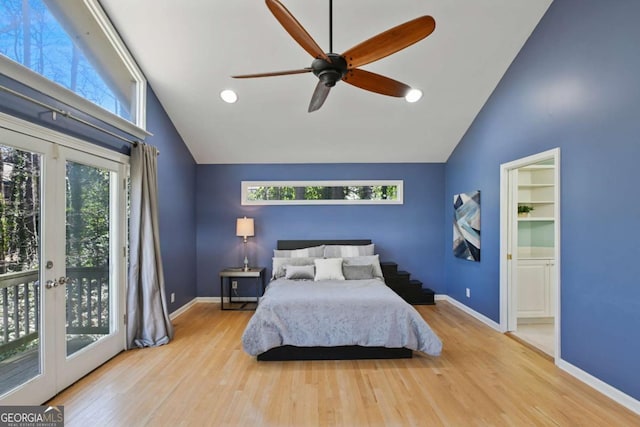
(189, 49)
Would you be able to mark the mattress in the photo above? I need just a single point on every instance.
(329, 313)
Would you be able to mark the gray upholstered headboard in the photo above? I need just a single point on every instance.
(301, 244)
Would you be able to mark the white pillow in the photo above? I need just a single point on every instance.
(299, 272)
(329, 269)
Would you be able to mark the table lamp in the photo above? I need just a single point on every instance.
(244, 229)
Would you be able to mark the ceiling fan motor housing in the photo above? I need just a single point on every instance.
(329, 72)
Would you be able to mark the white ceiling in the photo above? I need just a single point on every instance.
(189, 49)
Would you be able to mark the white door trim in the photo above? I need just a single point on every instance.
(55, 147)
(505, 244)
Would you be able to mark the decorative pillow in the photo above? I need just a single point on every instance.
(279, 264)
(333, 251)
(299, 272)
(372, 260)
(314, 251)
(328, 269)
(357, 272)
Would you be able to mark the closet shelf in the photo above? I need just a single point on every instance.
(531, 202)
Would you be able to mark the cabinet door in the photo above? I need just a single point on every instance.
(533, 288)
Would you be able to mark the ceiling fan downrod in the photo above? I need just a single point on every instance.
(331, 26)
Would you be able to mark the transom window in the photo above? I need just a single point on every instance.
(321, 192)
(74, 45)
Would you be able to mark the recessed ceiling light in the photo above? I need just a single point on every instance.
(229, 96)
(414, 95)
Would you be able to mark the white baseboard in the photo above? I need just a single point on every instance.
(206, 300)
(481, 317)
(210, 300)
(599, 385)
(182, 309)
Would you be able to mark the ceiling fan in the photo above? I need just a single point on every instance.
(330, 67)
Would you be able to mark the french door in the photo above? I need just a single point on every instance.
(62, 266)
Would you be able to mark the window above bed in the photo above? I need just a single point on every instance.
(322, 192)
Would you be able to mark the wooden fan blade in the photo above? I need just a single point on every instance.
(274, 73)
(295, 29)
(376, 83)
(390, 41)
(319, 95)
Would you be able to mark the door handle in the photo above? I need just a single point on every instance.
(55, 283)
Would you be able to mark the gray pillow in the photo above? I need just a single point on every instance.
(299, 272)
(357, 272)
(372, 260)
(314, 251)
(279, 264)
(336, 251)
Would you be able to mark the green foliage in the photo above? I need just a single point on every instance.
(87, 216)
(87, 213)
(19, 210)
(363, 192)
(525, 209)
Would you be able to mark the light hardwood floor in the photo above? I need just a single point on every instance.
(203, 377)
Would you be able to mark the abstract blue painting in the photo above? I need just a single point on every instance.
(466, 226)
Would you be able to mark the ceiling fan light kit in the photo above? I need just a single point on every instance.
(331, 67)
(229, 96)
(414, 95)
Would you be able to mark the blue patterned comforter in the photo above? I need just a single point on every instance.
(332, 313)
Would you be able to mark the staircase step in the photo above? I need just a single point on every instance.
(409, 289)
(389, 268)
(415, 283)
(403, 277)
(427, 298)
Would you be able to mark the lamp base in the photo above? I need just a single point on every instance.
(246, 264)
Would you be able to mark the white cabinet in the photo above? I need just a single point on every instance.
(536, 288)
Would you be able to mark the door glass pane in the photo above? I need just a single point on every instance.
(19, 267)
(87, 255)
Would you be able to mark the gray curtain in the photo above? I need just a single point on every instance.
(148, 322)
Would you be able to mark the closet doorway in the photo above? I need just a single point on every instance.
(530, 250)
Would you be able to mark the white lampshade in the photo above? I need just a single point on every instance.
(244, 227)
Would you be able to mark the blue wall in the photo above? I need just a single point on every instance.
(177, 204)
(575, 86)
(409, 234)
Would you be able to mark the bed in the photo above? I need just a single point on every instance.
(309, 312)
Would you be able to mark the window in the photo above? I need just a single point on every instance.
(74, 45)
(321, 192)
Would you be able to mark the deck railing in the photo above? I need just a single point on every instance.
(88, 300)
(20, 294)
(87, 305)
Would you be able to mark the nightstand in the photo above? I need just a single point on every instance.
(228, 274)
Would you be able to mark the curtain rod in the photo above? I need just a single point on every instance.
(67, 114)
